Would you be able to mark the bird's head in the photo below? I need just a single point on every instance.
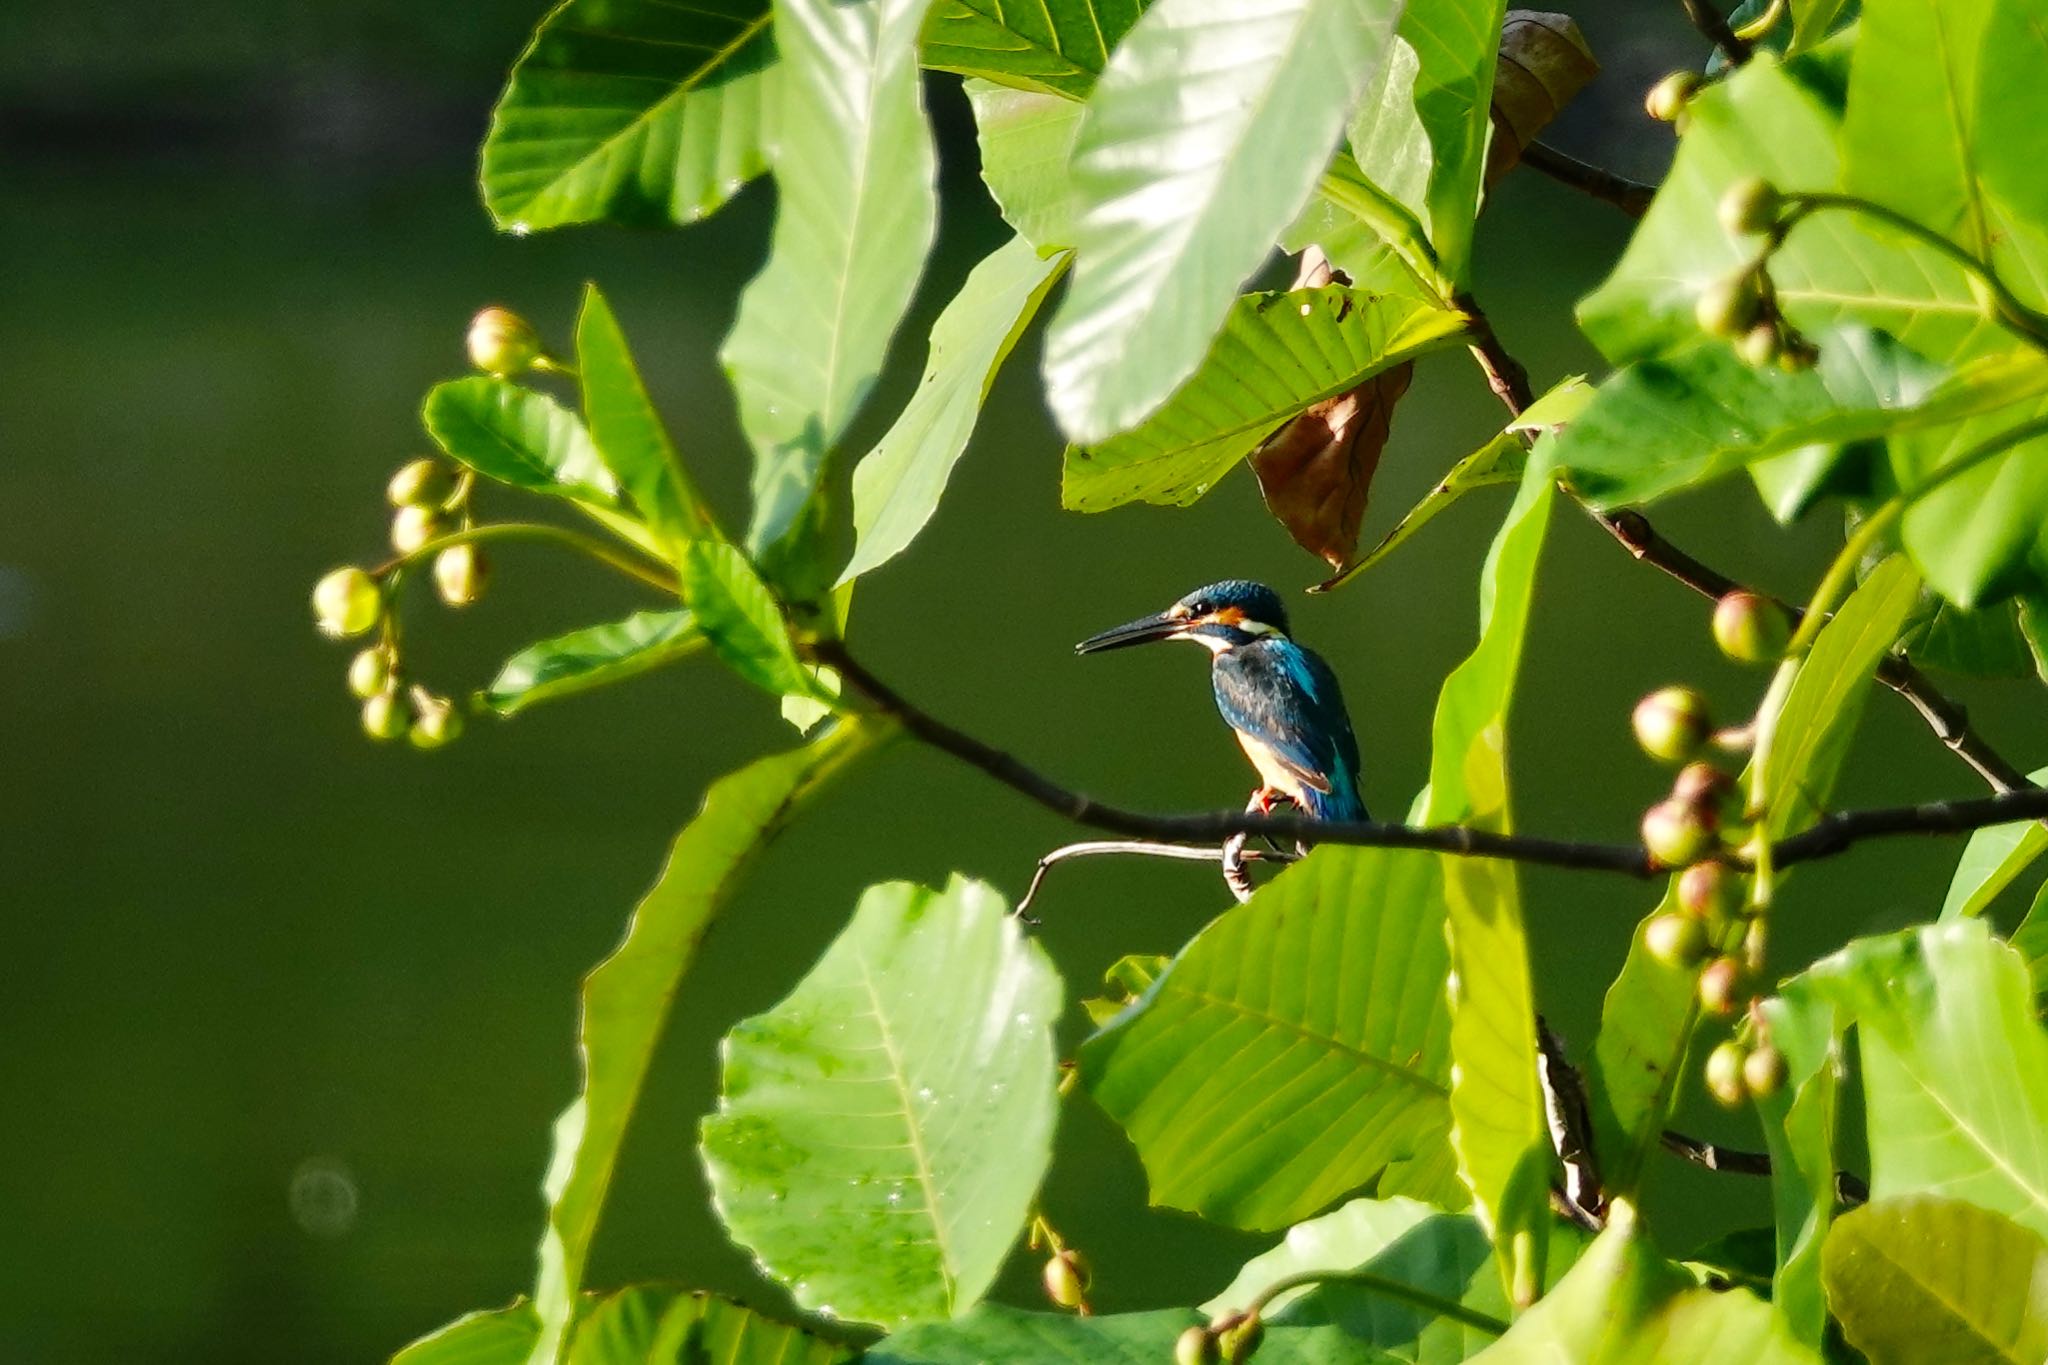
(1222, 616)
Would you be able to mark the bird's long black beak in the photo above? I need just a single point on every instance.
(1142, 631)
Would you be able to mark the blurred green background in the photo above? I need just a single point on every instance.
(286, 1017)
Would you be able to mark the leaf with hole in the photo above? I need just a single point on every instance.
(881, 1132)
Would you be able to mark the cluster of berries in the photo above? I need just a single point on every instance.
(1714, 931)
(1743, 307)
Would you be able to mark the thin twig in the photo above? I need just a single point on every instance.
(1714, 25)
(652, 575)
(1632, 197)
(1139, 847)
(1849, 1187)
(1400, 1290)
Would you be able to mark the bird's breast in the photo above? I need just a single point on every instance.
(1272, 771)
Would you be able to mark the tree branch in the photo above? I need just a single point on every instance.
(1849, 1187)
(1138, 848)
(1632, 197)
(1714, 25)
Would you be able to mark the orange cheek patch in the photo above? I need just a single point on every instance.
(1227, 616)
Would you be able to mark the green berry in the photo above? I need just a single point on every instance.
(1678, 941)
(1708, 891)
(1196, 1347)
(1667, 98)
(1672, 724)
(435, 722)
(1700, 783)
(422, 483)
(1760, 346)
(502, 343)
(1239, 1342)
(1750, 207)
(1676, 833)
(1764, 1071)
(460, 573)
(1750, 628)
(369, 673)
(385, 717)
(347, 602)
(1724, 1074)
(413, 526)
(1720, 983)
(1066, 1279)
(1729, 307)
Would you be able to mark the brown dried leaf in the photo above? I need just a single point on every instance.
(1544, 62)
(1316, 472)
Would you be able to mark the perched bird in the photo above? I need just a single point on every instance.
(1281, 699)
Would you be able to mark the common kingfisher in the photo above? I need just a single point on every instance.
(1281, 699)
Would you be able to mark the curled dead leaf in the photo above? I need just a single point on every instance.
(1316, 472)
(1544, 63)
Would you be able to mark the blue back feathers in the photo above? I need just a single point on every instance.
(1285, 698)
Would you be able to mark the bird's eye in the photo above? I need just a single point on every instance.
(1198, 608)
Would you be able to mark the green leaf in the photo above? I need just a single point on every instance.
(1298, 1049)
(658, 1325)
(2009, 104)
(738, 614)
(1921, 1278)
(1985, 643)
(1277, 354)
(1499, 1124)
(1456, 44)
(1763, 121)
(1126, 979)
(1955, 1066)
(880, 1134)
(626, 998)
(1026, 141)
(518, 437)
(499, 1336)
(1058, 46)
(632, 111)
(1813, 20)
(1664, 424)
(1184, 187)
(1981, 534)
(1639, 1056)
(995, 1335)
(857, 208)
(1802, 742)
(1800, 1124)
(896, 488)
(2030, 941)
(1993, 860)
(1623, 1304)
(591, 657)
(629, 434)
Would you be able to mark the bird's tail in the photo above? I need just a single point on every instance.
(1340, 803)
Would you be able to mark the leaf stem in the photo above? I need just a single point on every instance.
(536, 531)
(1382, 1285)
(1714, 25)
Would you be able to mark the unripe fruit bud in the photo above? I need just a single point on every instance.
(369, 673)
(1751, 628)
(1196, 1347)
(1239, 1342)
(1764, 1071)
(423, 483)
(1678, 941)
(385, 717)
(1708, 891)
(1671, 724)
(460, 573)
(1676, 834)
(1066, 1279)
(1667, 98)
(1761, 345)
(502, 343)
(1756, 945)
(1750, 206)
(1720, 983)
(347, 602)
(1700, 783)
(435, 722)
(413, 526)
(1798, 356)
(1725, 1065)
(1729, 307)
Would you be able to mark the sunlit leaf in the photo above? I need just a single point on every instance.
(626, 998)
(660, 1325)
(1802, 741)
(518, 437)
(1919, 1278)
(1639, 1056)
(632, 111)
(499, 1336)
(995, 1335)
(881, 1132)
(628, 432)
(1055, 45)
(1993, 859)
(1499, 1121)
(1297, 1050)
(1985, 643)
(1277, 354)
(896, 487)
(738, 614)
(1026, 140)
(853, 172)
(1623, 1304)
(1203, 139)
(591, 657)
(2030, 941)
(1457, 45)
(1984, 533)
(1127, 978)
(1801, 1121)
